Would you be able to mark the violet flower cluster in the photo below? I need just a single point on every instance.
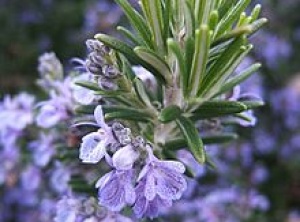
(158, 182)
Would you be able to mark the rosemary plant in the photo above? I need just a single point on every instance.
(171, 84)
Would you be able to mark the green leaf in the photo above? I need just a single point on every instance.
(200, 59)
(192, 138)
(130, 36)
(244, 117)
(169, 114)
(255, 26)
(184, 77)
(230, 17)
(98, 91)
(154, 17)
(85, 109)
(226, 6)
(223, 66)
(252, 104)
(129, 114)
(213, 20)
(80, 185)
(141, 92)
(89, 85)
(190, 21)
(189, 54)
(126, 113)
(166, 15)
(127, 69)
(155, 61)
(180, 143)
(202, 11)
(67, 154)
(118, 46)
(233, 34)
(255, 12)
(137, 21)
(234, 81)
(212, 109)
(229, 70)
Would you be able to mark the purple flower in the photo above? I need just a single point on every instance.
(52, 111)
(81, 94)
(258, 201)
(116, 190)
(67, 210)
(31, 178)
(60, 105)
(42, 149)
(94, 145)
(164, 178)
(125, 157)
(60, 178)
(148, 208)
(50, 115)
(16, 113)
(275, 49)
(160, 182)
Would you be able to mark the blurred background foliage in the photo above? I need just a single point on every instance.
(31, 27)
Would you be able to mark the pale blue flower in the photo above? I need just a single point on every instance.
(164, 178)
(160, 182)
(53, 111)
(67, 210)
(50, 115)
(92, 148)
(16, 113)
(125, 157)
(81, 94)
(59, 179)
(31, 178)
(116, 190)
(94, 145)
(42, 149)
(148, 208)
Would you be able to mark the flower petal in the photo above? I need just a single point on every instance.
(103, 180)
(172, 165)
(99, 117)
(92, 150)
(140, 206)
(130, 195)
(170, 184)
(83, 96)
(150, 187)
(112, 194)
(124, 158)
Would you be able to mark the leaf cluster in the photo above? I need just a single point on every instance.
(192, 48)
